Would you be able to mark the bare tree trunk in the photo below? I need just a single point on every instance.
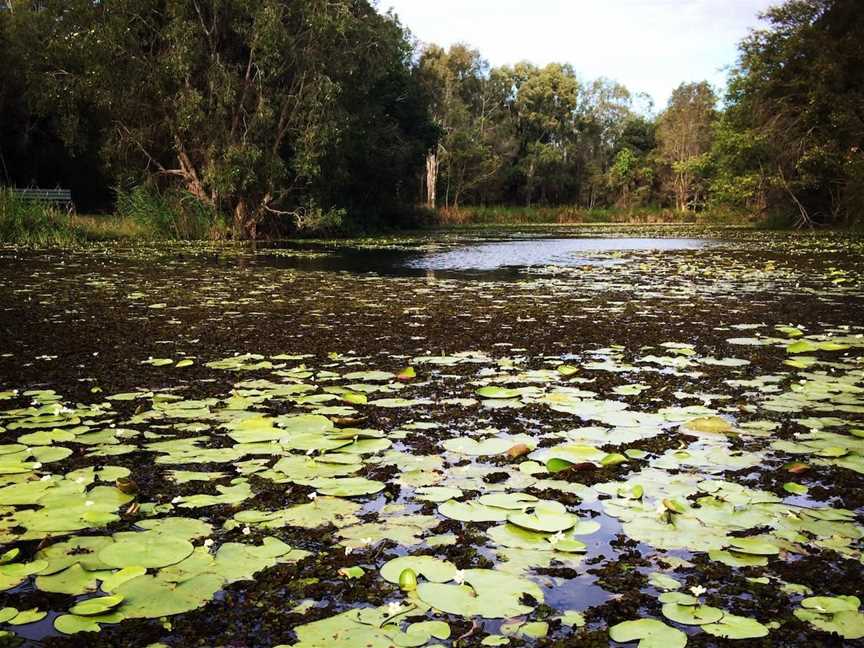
(242, 219)
(431, 178)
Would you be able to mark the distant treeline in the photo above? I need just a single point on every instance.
(270, 112)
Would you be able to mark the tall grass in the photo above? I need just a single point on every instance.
(24, 221)
(174, 214)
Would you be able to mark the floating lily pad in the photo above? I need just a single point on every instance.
(650, 633)
(146, 549)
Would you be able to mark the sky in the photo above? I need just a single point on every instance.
(650, 46)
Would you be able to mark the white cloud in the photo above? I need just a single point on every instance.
(649, 45)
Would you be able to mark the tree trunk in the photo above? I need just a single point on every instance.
(431, 178)
(244, 224)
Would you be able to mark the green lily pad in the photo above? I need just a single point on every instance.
(736, 627)
(96, 606)
(692, 614)
(486, 593)
(650, 633)
(146, 549)
(432, 569)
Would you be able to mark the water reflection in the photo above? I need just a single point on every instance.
(492, 261)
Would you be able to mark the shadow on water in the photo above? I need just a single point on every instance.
(489, 261)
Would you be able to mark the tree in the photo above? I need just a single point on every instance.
(684, 136)
(798, 89)
(239, 102)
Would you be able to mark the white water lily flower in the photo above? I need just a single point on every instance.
(698, 590)
(246, 530)
(313, 495)
(177, 500)
(459, 577)
(555, 539)
(394, 607)
(208, 542)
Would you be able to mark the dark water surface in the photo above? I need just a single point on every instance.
(489, 260)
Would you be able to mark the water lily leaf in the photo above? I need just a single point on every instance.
(650, 633)
(146, 549)
(352, 572)
(474, 448)
(663, 582)
(73, 624)
(736, 627)
(548, 517)
(153, 597)
(432, 569)
(345, 486)
(114, 580)
(795, 488)
(437, 494)
(96, 606)
(486, 593)
(498, 393)
(848, 624)
(74, 580)
(757, 546)
(832, 604)
(692, 614)
(511, 501)
(27, 616)
(472, 511)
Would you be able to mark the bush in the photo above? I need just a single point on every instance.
(31, 222)
(173, 214)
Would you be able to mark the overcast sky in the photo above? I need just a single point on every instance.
(649, 45)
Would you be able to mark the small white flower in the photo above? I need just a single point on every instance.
(208, 542)
(698, 590)
(555, 539)
(459, 577)
(246, 530)
(177, 500)
(347, 550)
(394, 607)
(313, 495)
(89, 503)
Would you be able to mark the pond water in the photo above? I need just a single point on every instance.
(501, 258)
(556, 431)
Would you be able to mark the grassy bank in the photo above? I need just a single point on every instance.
(566, 215)
(142, 214)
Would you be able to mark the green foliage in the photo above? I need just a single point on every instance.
(797, 95)
(31, 222)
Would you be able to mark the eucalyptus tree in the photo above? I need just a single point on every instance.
(684, 135)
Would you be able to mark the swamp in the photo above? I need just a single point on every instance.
(547, 436)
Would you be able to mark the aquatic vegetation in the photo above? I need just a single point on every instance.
(568, 450)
